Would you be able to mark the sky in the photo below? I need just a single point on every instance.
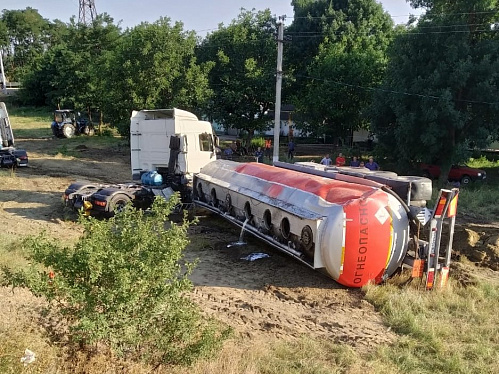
(202, 16)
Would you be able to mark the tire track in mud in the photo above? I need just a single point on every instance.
(276, 296)
(264, 312)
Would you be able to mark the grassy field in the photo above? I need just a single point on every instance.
(448, 331)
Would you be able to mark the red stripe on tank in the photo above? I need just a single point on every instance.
(331, 190)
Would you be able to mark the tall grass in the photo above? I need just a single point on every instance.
(480, 202)
(31, 123)
(448, 331)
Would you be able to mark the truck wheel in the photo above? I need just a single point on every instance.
(68, 130)
(118, 203)
(466, 179)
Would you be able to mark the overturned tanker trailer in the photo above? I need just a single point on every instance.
(354, 225)
(354, 229)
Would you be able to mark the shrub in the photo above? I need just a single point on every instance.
(258, 142)
(123, 284)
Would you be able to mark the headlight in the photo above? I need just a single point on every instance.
(479, 175)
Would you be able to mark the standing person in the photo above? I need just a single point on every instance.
(268, 148)
(326, 160)
(340, 160)
(291, 150)
(362, 165)
(371, 164)
(228, 153)
(259, 155)
(355, 162)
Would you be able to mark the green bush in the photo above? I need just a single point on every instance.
(123, 284)
(258, 142)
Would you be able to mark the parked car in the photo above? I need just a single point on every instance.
(458, 173)
(10, 157)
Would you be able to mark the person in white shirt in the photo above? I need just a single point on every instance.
(326, 161)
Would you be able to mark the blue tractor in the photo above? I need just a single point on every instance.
(67, 124)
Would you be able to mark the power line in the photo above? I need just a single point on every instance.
(409, 15)
(394, 91)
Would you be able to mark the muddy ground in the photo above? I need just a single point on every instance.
(274, 297)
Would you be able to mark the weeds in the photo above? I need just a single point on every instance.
(452, 330)
(122, 285)
(479, 202)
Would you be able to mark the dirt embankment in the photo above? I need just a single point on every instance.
(270, 297)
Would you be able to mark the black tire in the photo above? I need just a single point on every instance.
(307, 241)
(228, 204)
(466, 180)
(118, 203)
(68, 130)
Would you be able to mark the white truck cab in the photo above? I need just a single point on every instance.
(172, 140)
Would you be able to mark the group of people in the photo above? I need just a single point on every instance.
(260, 153)
(355, 162)
(339, 161)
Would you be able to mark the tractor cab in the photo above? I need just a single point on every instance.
(67, 124)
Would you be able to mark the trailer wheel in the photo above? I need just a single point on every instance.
(118, 203)
(307, 241)
(267, 219)
(214, 200)
(201, 193)
(247, 211)
(228, 204)
(285, 228)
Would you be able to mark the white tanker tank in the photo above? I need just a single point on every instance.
(355, 230)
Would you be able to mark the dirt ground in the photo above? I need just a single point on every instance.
(273, 297)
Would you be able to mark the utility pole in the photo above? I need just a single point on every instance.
(87, 14)
(278, 86)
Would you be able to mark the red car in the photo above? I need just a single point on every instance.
(458, 173)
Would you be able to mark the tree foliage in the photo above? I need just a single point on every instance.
(439, 94)
(350, 59)
(124, 284)
(23, 41)
(153, 66)
(67, 75)
(243, 74)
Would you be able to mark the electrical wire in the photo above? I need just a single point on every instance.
(394, 91)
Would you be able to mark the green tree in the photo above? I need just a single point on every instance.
(349, 60)
(153, 66)
(124, 284)
(439, 95)
(67, 75)
(27, 36)
(243, 76)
